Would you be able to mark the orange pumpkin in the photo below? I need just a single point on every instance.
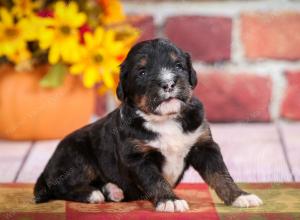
(30, 112)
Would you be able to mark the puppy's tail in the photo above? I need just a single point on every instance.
(41, 191)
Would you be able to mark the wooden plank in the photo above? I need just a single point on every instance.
(12, 154)
(252, 152)
(38, 158)
(291, 138)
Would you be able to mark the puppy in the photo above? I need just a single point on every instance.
(142, 148)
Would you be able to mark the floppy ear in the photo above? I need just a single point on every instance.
(120, 89)
(192, 72)
(120, 92)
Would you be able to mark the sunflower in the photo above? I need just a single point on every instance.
(100, 60)
(35, 27)
(13, 37)
(62, 37)
(24, 7)
(127, 35)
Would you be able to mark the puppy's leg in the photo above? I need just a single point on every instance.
(81, 183)
(155, 187)
(112, 192)
(86, 194)
(206, 158)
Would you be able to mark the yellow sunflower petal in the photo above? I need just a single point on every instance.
(46, 38)
(108, 79)
(90, 77)
(72, 8)
(20, 55)
(77, 68)
(78, 20)
(89, 40)
(54, 54)
(59, 9)
(71, 51)
(99, 34)
(27, 28)
(74, 17)
(6, 17)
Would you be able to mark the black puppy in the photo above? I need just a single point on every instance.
(141, 149)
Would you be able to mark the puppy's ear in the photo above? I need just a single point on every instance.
(120, 88)
(120, 92)
(192, 72)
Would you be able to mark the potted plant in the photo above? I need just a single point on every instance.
(52, 56)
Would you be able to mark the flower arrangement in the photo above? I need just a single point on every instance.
(86, 38)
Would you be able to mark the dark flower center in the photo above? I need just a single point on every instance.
(11, 32)
(66, 30)
(98, 58)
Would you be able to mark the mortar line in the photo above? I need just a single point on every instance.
(24, 160)
(284, 149)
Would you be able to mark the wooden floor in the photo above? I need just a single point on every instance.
(252, 152)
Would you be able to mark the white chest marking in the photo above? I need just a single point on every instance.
(173, 144)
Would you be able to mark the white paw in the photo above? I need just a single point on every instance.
(245, 201)
(114, 193)
(96, 197)
(172, 206)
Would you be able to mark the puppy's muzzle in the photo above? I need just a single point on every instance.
(168, 86)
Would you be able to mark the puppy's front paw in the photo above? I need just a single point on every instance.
(96, 197)
(172, 206)
(245, 201)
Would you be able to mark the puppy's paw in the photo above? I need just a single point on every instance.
(245, 201)
(172, 206)
(96, 197)
(113, 192)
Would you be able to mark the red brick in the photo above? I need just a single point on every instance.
(291, 103)
(206, 38)
(235, 97)
(271, 35)
(145, 24)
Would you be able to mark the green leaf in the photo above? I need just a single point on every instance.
(55, 76)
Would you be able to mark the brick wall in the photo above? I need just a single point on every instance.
(247, 53)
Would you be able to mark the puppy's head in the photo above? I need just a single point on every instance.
(156, 77)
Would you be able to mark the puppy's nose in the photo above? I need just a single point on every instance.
(168, 86)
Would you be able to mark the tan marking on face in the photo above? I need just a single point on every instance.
(143, 61)
(173, 56)
(141, 102)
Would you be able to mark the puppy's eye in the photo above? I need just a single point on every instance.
(142, 72)
(179, 66)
